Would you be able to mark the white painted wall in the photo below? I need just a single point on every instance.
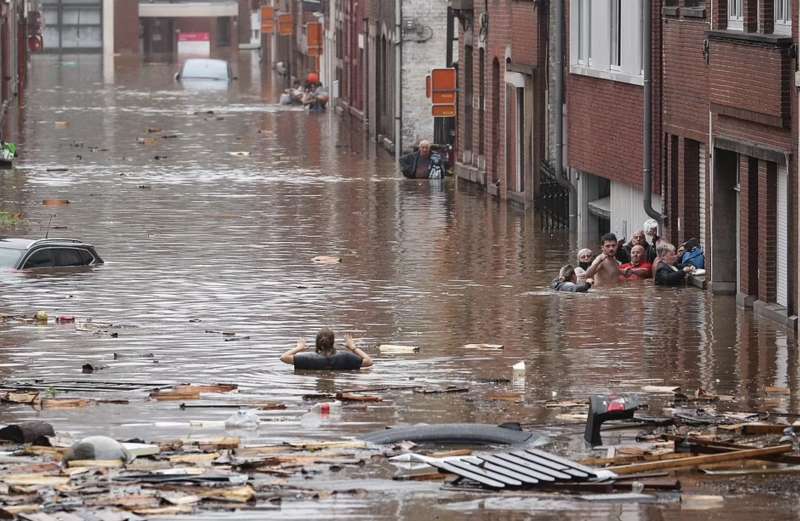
(627, 209)
(418, 60)
(702, 197)
(782, 237)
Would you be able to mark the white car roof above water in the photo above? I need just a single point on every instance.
(205, 69)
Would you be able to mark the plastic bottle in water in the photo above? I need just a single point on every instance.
(320, 412)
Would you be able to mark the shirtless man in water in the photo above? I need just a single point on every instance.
(605, 268)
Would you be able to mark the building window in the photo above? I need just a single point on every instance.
(469, 93)
(584, 31)
(783, 17)
(616, 33)
(606, 42)
(735, 15)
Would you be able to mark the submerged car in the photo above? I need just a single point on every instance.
(205, 70)
(24, 254)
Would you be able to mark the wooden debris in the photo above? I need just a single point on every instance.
(66, 403)
(777, 390)
(427, 476)
(241, 494)
(321, 445)
(99, 463)
(565, 405)
(225, 442)
(204, 459)
(179, 498)
(392, 349)
(190, 392)
(695, 461)
(19, 397)
(164, 511)
(505, 397)
(343, 397)
(661, 389)
(34, 479)
(483, 347)
(447, 390)
(326, 259)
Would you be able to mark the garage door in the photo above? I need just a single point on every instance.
(72, 25)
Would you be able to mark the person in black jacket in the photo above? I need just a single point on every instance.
(666, 270)
(325, 356)
(423, 164)
(567, 281)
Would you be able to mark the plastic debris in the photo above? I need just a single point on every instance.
(243, 419)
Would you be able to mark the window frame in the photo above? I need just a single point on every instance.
(783, 17)
(615, 44)
(736, 21)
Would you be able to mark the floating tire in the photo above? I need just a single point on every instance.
(454, 433)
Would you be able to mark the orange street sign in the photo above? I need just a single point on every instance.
(267, 22)
(443, 86)
(314, 38)
(285, 24)
(443, 111)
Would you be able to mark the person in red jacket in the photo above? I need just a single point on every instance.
(638, 268)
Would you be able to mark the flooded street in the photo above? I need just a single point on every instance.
(214, 230)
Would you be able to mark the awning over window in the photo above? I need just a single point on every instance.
(188, 9)
(600, 207)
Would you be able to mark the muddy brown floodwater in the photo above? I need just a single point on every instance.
(215, 230)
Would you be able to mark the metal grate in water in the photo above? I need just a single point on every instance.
(521, 468)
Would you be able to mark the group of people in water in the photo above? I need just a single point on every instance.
(310, 94)
(646, 256)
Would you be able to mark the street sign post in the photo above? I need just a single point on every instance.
(442, 88)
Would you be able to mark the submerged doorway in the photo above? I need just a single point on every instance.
(725, 222)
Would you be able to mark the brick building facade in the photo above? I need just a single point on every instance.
(18, 32)
(730, 144)
(503, 81)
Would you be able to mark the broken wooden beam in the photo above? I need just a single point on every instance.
(694, 461)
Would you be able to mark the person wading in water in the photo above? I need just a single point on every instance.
(326, 357)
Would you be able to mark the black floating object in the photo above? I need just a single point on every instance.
(603, 408)
(466, 433)
(29, 432)
(87, 368)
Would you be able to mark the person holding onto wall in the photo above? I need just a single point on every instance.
(568, 281)
(667, 272)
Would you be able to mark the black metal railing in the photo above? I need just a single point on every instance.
(553, 200)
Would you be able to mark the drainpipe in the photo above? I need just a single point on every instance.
(648, 115)
(558, 95)
(558, 109)
(398, 75)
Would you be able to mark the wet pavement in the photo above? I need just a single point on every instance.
(215, 229)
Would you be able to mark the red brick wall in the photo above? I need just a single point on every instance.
(748, 228)
(515, 24)
(126, 27)
(749, 77)
(685, 78)
(767, 236)
(605, 121)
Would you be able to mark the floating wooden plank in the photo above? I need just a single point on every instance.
(393, 349)
(695, 461)
(98, 463)
(190, 392)
(35, 479)
(661, 389)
